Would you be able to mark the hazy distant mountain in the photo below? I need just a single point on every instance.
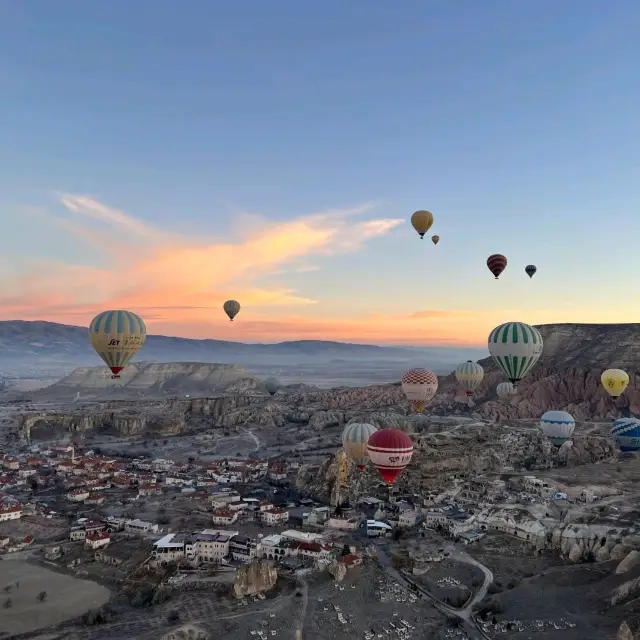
(27, 347)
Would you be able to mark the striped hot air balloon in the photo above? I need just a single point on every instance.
(515, 347)
(505, 390)
(469, 374)
(497, 263)
(354, 442)
(419, 384)
(117, 336)
(558, 426)
(626, 433)
(390, 451)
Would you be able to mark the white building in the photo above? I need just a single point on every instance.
(97, 540)
(140, 526)
(408, 519)
(273, 517)
(224, 517)
(10, 512)
(78, 495)
(168, 549)
(243, 549)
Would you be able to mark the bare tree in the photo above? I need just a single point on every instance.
(42, 596)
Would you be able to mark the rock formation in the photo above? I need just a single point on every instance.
(186, 632)
(624, 633)
(256, 577)
(337, 570)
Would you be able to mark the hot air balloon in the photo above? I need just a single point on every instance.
(469, 374)
(497, 263)
(272, 385)
(558, 426)
(390, 450)
(435, 239)
(515, 347)
(615, 381)
(117, 336)
(231, 308)
(419, 384)
(422, 221)
(418, 405)
(505, 390)
(530, 270)
(354, 442)
(626, 433)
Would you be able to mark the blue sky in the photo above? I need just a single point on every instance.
(516, 123)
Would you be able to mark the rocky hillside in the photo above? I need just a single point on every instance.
(154, 378)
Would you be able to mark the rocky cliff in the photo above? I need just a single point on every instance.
(256, 577)
(155, 378)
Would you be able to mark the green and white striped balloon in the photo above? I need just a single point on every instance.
(515, 347)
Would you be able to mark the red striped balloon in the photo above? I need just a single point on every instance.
(390, 451)
(497, 263)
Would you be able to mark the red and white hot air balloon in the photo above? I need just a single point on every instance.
(418, 405)
(390, 451)
(419, 386)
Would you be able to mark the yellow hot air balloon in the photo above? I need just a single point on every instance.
(422, 221)
(615, 381)
(435, 239)
(231, 308)
(117, 336)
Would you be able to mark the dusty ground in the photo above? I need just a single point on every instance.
(450, 581)
(67, 597)
(42, 529)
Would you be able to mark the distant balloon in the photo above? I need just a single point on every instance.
(231, 308)
(390, 451)
(505, 390)
(515, 347)
(435, 239)
(418, 405)
(558, 426)
(272, 385)
(419, 384)
(615, 381)
(354, 442)
(530, 270)
(626, 433)
(469, 374)
(497, 263)
(422, 221)
(117, 336)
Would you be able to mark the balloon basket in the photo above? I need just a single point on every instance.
(115, 376)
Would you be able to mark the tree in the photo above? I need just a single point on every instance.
(42, 596)
(173, 617)
(8, 603)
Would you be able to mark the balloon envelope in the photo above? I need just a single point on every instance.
(614, 381)
(469, 374)
(505, 390)
(626, 433)
(272, 385)
(418, 405)
(231, 308)
(497, 263)
(530, 270)
(558, 426)
(422, 221)
(390, 451)
(117, 336)
(419, 384)
(354, 442)
(515, 347)
(435, 239)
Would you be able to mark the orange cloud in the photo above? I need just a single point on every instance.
(177, 281)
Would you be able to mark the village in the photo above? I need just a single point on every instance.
(240, 525)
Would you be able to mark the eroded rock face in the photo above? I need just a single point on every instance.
(624, 633)
(256, 577)
(337, 570)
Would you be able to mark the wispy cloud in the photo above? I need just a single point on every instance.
(176, 278)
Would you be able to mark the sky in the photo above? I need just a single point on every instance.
(163, 157)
